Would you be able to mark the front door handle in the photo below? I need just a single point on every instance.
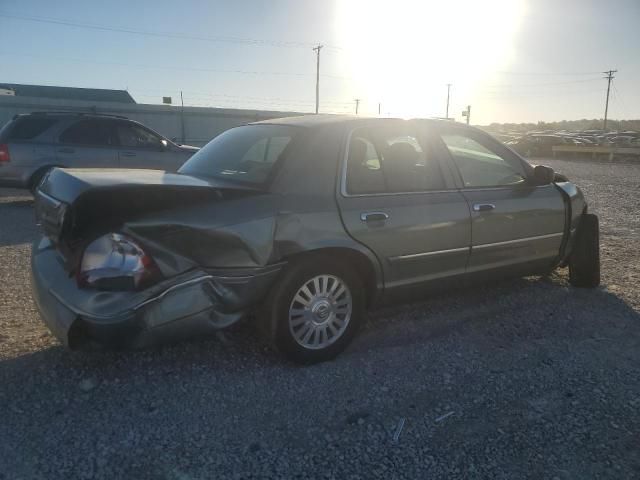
(128, 154)
(373, 217)
(483, 207)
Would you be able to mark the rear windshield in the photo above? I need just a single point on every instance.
(245, 154)
(25, 128)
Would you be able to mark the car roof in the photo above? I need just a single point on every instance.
(320, 120)
(68, 114)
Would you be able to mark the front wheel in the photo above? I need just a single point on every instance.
(584, 262)
(315, 310)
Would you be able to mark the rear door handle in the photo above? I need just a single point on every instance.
(483, 207)
(373, 216)
(66, 150)
(128, 154)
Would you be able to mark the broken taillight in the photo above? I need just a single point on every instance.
(116, 262)
(4, 153)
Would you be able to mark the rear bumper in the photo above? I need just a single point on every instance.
(12, 176)
(192, 304)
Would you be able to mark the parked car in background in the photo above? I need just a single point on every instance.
(538, 145)
(32, 144)
(306, 221)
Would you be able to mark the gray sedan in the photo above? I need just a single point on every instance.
(32, 144)
(304, 222)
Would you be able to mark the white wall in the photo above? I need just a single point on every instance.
(200, 124)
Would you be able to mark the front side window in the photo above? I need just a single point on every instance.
(246, 154)
(134, 136)
(479, 165)
(88, 132)
(390, 159)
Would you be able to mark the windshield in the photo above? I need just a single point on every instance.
(246, 154)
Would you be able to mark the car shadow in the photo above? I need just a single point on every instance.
(504, 315)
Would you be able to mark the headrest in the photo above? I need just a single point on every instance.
(401, 153)
(357, 151)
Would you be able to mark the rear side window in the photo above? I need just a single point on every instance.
(28, 128)
(391, 159)
(89, 132)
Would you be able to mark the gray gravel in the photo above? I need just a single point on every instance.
(523, 379)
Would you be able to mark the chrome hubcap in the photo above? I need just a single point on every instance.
(320, 312)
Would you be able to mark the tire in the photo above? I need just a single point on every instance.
(328, 316)
(584, 262)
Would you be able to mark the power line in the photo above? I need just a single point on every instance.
(546, 84)
(278, 101)
(504, 72)
(176, 35)
(169, 67)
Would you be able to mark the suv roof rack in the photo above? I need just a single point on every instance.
(67, 112)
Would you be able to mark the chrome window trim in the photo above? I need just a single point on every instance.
(470, 248)
(518, 240)
(503, 187)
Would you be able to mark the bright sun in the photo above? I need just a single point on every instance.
(402, 53)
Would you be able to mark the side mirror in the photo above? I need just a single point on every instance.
(543, 175)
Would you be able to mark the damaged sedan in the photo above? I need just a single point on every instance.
(301, 223)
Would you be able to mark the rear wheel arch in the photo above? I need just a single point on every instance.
(367, 271)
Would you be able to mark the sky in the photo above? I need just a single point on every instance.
(511, 60)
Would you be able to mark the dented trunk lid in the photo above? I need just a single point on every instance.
(73, 205)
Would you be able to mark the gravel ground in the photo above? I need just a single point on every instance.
(523, 379)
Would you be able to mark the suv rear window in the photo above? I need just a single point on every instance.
(28, 128)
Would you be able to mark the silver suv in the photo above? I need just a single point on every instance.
(32, 144)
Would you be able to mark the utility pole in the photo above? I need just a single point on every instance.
(357, 105)
(467, 113)
(379, 108)
(317, 50)
(609, 77)
(448, 91)
(182, 117)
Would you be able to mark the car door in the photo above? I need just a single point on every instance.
(86, 143)
(515, 223)
(139, 147)
(398, 200)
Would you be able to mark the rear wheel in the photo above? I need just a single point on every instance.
(584, 262)
(315, 310)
